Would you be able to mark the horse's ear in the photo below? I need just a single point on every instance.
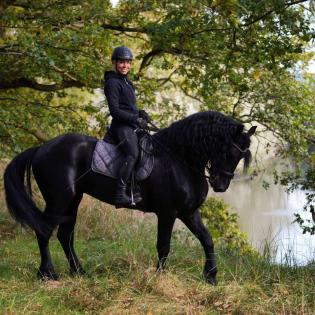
(252, 130)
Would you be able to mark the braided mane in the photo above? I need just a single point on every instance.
(204, 132)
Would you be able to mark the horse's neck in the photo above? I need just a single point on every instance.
(185, 155)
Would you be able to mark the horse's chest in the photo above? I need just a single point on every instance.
(190, 195)
(174, 186)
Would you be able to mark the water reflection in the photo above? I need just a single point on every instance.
(267, 216)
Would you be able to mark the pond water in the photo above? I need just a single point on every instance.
(267, 217)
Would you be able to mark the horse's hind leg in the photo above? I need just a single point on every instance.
(66, 237)
(46, 270)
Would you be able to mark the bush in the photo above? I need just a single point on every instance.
(224, 226)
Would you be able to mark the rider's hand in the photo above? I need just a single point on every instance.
(143, 114)
(142, 123)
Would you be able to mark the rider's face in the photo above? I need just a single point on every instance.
(123, 66)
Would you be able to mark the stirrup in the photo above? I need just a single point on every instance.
(135, 198)
(121, 202)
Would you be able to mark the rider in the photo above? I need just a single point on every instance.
(126, 118)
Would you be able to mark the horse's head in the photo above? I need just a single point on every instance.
(222, 167)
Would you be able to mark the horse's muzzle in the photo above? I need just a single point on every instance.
(220, 183)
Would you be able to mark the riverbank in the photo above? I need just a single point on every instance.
(117, 249)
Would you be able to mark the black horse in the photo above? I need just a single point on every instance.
(176, 187)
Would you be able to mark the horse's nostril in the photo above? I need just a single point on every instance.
(219, 189)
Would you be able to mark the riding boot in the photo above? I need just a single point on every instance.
(122, 199)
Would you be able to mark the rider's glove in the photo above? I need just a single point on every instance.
(142, 123)
(143, 114)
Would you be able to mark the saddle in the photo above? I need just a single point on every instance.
(108, 157)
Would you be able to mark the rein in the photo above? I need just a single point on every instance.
(210, 178)
(167, 150)
(238, 148)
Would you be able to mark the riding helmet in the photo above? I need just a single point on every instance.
(122, 53)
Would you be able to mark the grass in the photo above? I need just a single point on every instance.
(117, 249)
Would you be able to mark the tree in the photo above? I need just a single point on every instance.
(52, 54)
(235, 56)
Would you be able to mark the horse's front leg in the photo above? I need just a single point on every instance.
(194, 223)
(165, 227)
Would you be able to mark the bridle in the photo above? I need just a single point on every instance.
(238, 148)
(210, 178)
(228, 174)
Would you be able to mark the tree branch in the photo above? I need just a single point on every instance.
(190, 95)
(261, 17)
(208, 30)
(148, 58)
(37, 133)
(23, 82)
(12, 53)
(123, 28)
(167, 79)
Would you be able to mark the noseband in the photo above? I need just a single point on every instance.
(212, 178)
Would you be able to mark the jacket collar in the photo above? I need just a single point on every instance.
(112, 74)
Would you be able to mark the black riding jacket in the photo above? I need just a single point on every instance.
(121, 98)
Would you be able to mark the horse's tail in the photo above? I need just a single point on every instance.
(18, 196)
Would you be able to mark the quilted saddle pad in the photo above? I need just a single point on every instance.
(108, 158)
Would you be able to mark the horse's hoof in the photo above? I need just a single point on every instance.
(159, 270)
(79, 272)
(211, 279)
(161, 266)
(47, 275)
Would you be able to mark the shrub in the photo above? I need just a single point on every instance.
(224, 225)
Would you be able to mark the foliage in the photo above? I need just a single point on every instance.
(307, 182)
(233, 56)
(242, 57)
(224, 225)
(304, 178)
(47, 47)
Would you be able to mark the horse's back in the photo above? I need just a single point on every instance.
(59, 161)
(64, 148)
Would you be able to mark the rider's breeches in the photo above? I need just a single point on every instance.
(129, 144)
